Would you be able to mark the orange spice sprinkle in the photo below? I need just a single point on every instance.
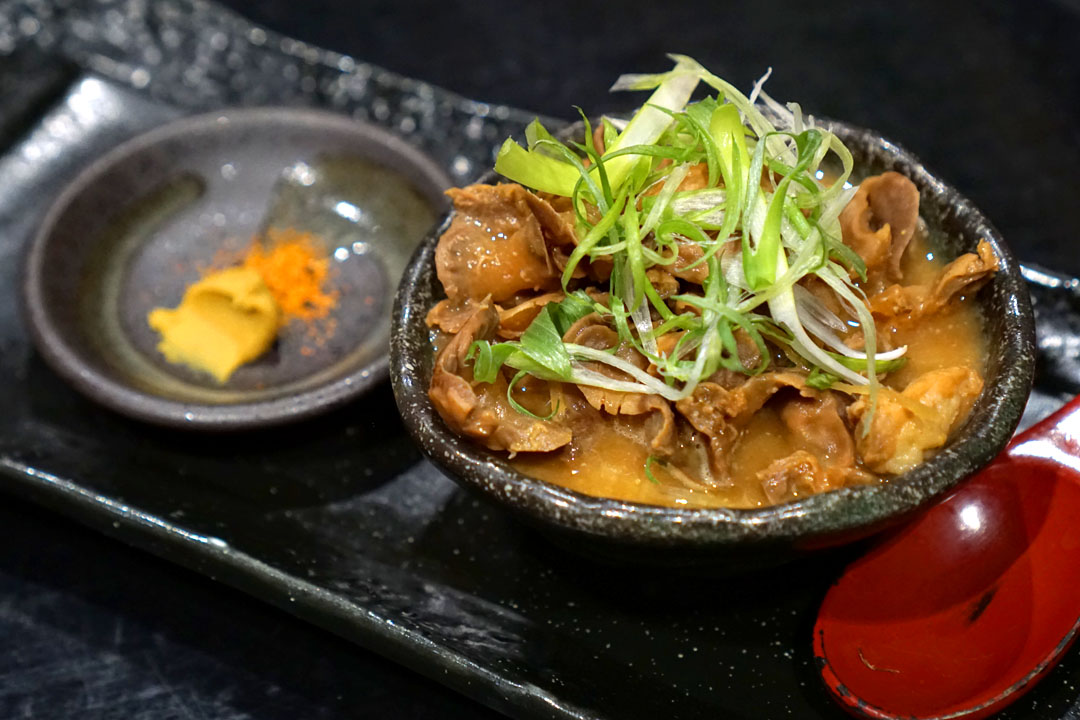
(294, 266)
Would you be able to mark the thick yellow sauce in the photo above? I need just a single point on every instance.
(607, 458)
(224, 320)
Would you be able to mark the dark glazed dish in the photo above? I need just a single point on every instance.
(832, 518)
(134, 229)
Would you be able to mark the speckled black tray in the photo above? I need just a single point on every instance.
(338, 520)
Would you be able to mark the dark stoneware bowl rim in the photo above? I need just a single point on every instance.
(68, 361)
(817, 521)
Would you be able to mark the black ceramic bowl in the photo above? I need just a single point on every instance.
(138, 226)
(625, 530)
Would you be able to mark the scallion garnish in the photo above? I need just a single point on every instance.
(763, 223)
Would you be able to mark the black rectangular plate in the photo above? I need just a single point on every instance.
(339, 520)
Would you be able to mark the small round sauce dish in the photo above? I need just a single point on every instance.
(164, 210)
(645, 534)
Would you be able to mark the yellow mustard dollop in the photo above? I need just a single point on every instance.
(224, 320)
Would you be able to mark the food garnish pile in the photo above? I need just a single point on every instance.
(699, 306)
(232, 316)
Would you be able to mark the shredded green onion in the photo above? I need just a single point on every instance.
(762, 196)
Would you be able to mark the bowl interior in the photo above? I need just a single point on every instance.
(138, 227)
(817, 521)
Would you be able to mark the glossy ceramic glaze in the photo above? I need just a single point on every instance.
(643, 533)
(960, 612)
(138, 226)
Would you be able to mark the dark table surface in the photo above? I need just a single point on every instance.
(987, 94)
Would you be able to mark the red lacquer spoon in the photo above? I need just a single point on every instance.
(962, 611)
